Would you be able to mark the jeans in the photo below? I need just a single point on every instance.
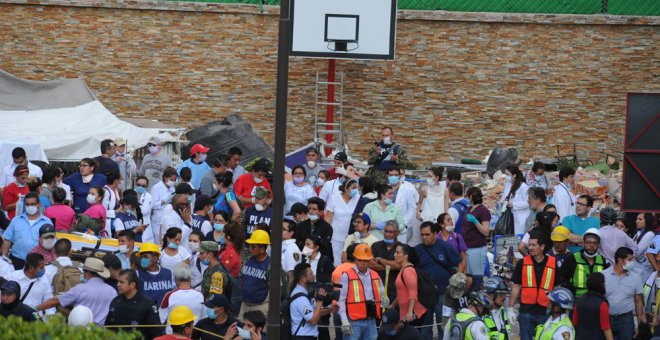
(363, 330)
(476, 265)
(528, 323)
(336, 319)
(431, 316)
(623, 326)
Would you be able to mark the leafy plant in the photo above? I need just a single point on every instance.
(57, 328)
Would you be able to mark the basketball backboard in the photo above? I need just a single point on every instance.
(349, 29)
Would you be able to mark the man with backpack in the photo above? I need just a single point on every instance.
(305, 311)
(458, 203)
(467, 323)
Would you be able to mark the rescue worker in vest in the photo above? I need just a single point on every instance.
(359, 297)
(181, 319)
(533, 278)
(576, 268)
(467, 323)
(497, 321)
(558, 326)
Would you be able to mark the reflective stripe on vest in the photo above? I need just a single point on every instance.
(493, 332)
(356, 306)
(531, 291)
(582, 270)
(464, 320)
(543, 333)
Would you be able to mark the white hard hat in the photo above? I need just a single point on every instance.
(592, 231)
(81, 316)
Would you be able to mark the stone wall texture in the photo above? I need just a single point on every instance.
(461, 83)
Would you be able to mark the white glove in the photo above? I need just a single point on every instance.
(346, 328)
(340, 170)
(512, 314)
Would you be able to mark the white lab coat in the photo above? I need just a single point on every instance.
(110, 200)
(330, 188)
(172, 219)
(159, 193)
(520, 207)
(564, 200)
(145, 208)
(406, 200)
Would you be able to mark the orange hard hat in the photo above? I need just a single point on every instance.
(363, 252)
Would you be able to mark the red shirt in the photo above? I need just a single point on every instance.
(96, 210)
(245, 185)
(64, 216)
(603, 315)
(10, 196)
(230, 259)
(49, 255)
(169, 337)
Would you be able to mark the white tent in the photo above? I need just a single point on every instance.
(64, 117)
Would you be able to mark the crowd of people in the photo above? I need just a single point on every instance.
(364, 256)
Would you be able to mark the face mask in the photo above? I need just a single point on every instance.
(388, 201)
(32, 210)
(387, 140)
(123, 248)
(221, 240)
(153, 149)
(320, 182)
(393, 180)
(145, 262)
(363, 235)
(258, 180)
(450, 228)
(20, 185)
(259, 207)
(49, 244)
(205, 262)
(131, 212)
(508, 178)
(202, 157)
(568, 186)
(82, 278)
(244, 333)
(88, 178)
(402, 179)
(589, 255)
(41, 272)
(190, 199)
(389, 241)
(172, 245)
(119, 154)
(215, 187)
(219, 226)
(211, 313)
(430, 181)
(353, 193)
(91, 199)
(311, 164)
(298, 180)
(313, 217)
(340, 180)
(629, 265)
(140, 190)
(193, 246)
(170, 183)
(307, 251)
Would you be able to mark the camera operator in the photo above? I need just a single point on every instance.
(306, 312)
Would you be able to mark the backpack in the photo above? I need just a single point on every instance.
(285, 317)
(426, 288)
(66, 278)
(85, 224)
(457, 328)
(462, 211)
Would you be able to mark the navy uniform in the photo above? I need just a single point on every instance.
(140, 310)
(302, 310)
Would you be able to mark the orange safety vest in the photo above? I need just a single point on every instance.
(356, 304)
(532, 293)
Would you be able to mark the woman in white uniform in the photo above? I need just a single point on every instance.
(515, 197)
(339, 212)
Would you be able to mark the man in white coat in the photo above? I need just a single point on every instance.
(405, 197)
(161, 196)
(563, 198)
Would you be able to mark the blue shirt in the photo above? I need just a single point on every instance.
(222, 203)
(461, 206)
(197, 169)
(255, 277)
(578, 225)
(157, 285)
(442, 252)
(254, 217)
(24, 236)
(302, 308)
(80, 190)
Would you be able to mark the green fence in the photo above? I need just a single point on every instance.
(617, 7)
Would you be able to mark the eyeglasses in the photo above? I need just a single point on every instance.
(83, 165)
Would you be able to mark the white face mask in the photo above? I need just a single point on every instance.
(320, 182)
(153, 149)
(91, 199)
(313, 217)
(307, 251)
(259, 207)
(215, 187)
(258, 180)
(88, 178)
(311, 164)
(387, 140)
(123, 248)
(450, 228)
(49, 243)
(32, 210)
(170, 183)
(430, 181)
(629, 265)
(194, 246)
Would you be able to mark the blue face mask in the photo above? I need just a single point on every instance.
(393, 180)
(172, 245)
(389, 241)
(363, 235)
(353, 193)
(145, 262)
(82, 278)
(340, 180)
(140, 190)
(221, 240)
(388, 201)
(219, 226)
(205, 262)
(211, 313)
(41, 272)
(190, 199)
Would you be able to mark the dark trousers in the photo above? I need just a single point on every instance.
(623, 326)
(18, 263)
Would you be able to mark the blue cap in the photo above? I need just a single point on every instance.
(11, 287)
(364, 217)
(47, 229)
(218, 300)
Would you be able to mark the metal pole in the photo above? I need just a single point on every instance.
(273, 325)
(329, 116)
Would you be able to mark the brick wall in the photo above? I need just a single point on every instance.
(461, 83)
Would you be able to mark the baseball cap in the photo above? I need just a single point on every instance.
(457, 284)
(209, 246)
(263, 164)
(389, 320)
(47, 230)
(217, 300)
(560, 233)
(119, 141)
(341, 156)
(365, 218)
(297, 208)
(11, 287)
(261, 192)
(154, 140)
(198, 148)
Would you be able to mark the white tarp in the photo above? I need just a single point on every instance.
(65, 133)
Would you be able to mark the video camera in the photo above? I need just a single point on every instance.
(329, 287)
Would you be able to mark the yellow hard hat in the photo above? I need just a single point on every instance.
(363, 252)
(149, 248)
(560, 233)
(259, 237)
(180, 315)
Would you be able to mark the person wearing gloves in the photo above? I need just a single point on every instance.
(383, 209)
(576, 268)
(497, 322)
(558, 326)
(161, 195)
(515, 197)
(47, 239)
(361, 235)
(475, 229)
(360, 297)
(467, 323)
